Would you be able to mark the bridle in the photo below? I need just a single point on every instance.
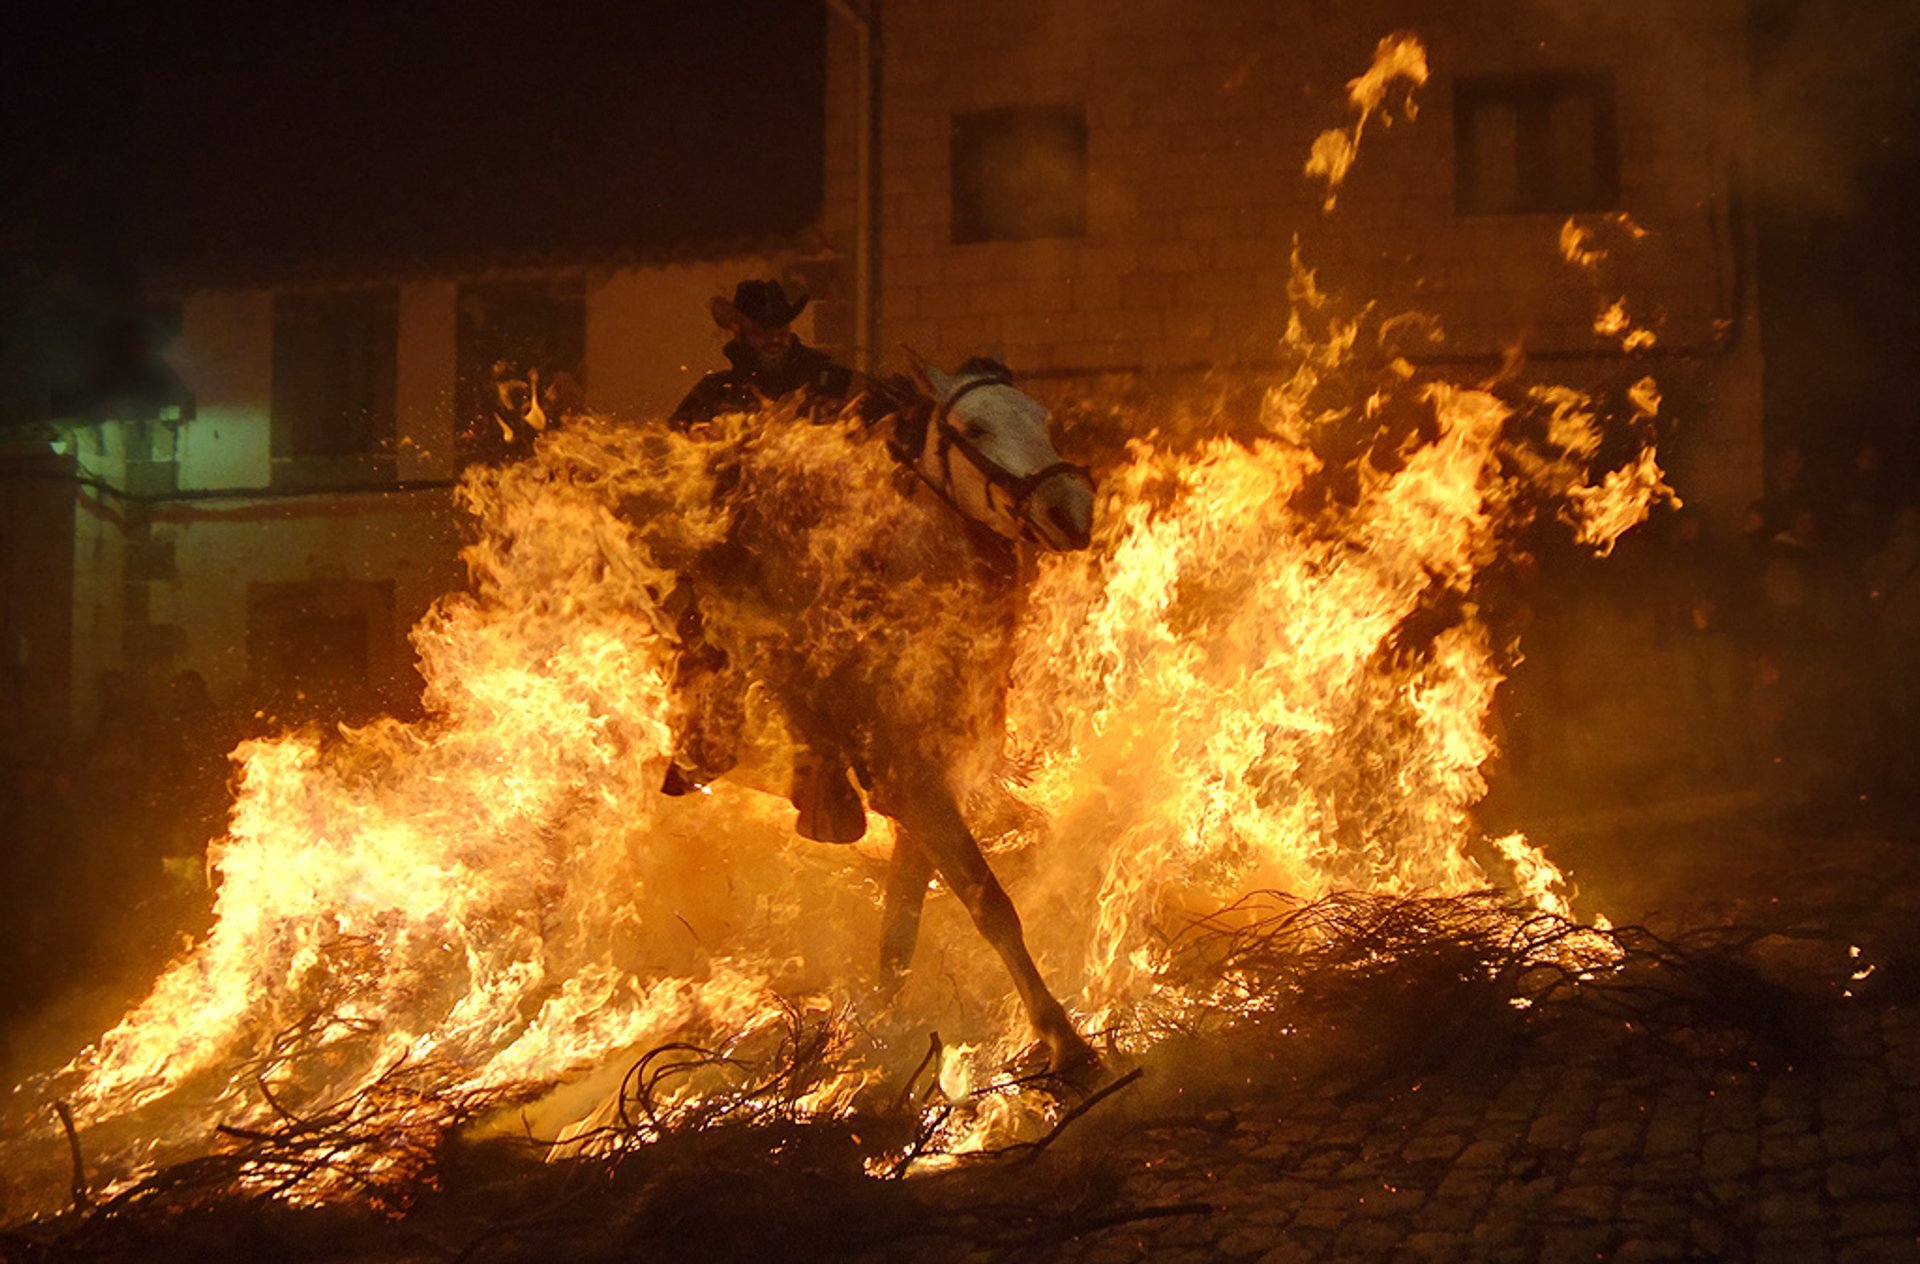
(1014, 491)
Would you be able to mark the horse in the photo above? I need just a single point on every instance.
(880, 618)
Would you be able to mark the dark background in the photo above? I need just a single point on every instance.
(1837, 176)
(216, 144)
(217, 139)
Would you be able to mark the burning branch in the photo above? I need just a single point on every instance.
(81, 1200)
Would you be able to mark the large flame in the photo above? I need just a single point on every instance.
(1270, 671)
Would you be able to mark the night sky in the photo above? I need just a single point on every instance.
(216, 140)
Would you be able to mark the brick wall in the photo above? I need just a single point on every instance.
(1199, 119)
(830, 279)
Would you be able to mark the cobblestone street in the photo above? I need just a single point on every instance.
(1572, 1157)
(1595, 1143)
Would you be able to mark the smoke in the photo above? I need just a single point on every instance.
(1836, 108)
(1834, 100)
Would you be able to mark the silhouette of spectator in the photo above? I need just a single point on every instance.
(116, 699)
(1854, 528)
(118, 847)
(41, 899)
(1787, 579)
(1788, 493)
(1756, 543)
(1787, 649)
(1864, 504)
(192, 739)
(1817, 641)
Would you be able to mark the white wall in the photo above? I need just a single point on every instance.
(225, 356)
(410, 538)
(650, 335)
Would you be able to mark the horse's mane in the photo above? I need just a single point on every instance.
(984, 366)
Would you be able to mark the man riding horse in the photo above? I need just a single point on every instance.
(879, 625)
(769, 365)
(768, 362)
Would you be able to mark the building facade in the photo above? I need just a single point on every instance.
(283, 539)
(1109, 196)
(1106, 190)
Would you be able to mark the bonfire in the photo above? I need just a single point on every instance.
(1242, 745)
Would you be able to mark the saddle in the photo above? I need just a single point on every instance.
(710, 730)
(829, 807)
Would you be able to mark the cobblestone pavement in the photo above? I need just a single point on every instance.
(1592, 1144)
(1570, 1157)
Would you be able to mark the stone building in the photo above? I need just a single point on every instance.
(1102, 188)
(1108, 194)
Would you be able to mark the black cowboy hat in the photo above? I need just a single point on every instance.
(762, 303)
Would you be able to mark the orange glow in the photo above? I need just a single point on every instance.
(1269, 672)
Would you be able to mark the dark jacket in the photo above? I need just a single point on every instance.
(822, 385)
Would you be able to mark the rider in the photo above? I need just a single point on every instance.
(769, 363)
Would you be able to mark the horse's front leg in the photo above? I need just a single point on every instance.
(909, 870)
(932, 819)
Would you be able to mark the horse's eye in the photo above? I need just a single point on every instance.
(974, 430)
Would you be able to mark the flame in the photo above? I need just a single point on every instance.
(1577, 246)
(1270, 672)
(1397, 57)
(1581, 245)
(1613, 322)
(1231, 692)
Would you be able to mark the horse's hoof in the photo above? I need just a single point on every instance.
(1068, 1052)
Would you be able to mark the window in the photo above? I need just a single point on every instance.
(1020, 174)
(1534, 143)
(519, 351)
(333, 380)
(327, 642)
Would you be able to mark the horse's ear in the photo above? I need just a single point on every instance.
(928, 374)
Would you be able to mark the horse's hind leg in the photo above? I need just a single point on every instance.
(909, 871)
(932, 819)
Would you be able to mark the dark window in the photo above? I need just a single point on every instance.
(519, 350)
(327, 642)
(1534, 143)
(1020, 174)
(333, 373)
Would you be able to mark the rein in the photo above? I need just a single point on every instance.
(1016, 489)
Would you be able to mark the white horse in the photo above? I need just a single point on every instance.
(867, 681)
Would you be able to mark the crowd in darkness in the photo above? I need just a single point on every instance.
(103, 845)
(1796, 648)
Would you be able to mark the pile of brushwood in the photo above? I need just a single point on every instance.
(1269, 997)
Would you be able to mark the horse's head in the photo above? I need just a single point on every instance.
(987, 451)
